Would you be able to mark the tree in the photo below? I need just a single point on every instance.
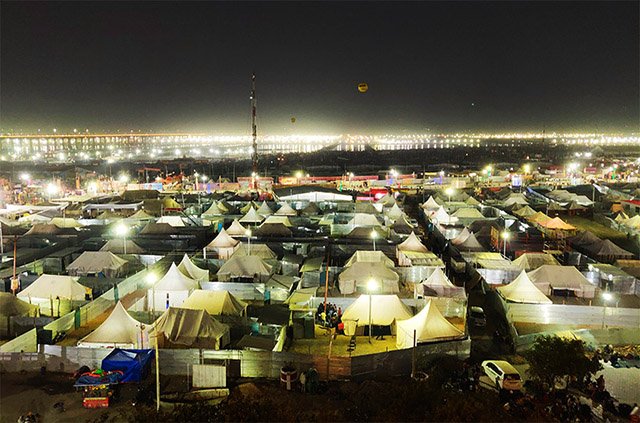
(552, 357)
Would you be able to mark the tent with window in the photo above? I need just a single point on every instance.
(186, 328)
(429, 325)
(133, 364)
(215, 303)
(522, 290)
(252, 217)
(236, 229)
(550, 278)
(383, 310)
(251, 267)
(91, 263)
(223, 245)
(171, 290)
(189, 269)
(439, 284)
(357, 277)
(118, 330)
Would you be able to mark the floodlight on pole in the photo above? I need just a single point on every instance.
(122, 230)
(248, 234)
(372, 286)
(449, 191)
(606, 297)
(505, 237)
(373, 236)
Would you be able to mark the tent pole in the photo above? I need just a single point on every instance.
(157, 376)
(413, 356)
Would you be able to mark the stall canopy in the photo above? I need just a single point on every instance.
(185, 328)
(469, 244)
(244, 267)
(385, 309)
(522, 290)
(531, 261)
(608, 251)
(189, 269)
(438, 283)
(214, 210)
(357, 277)
(236, 229)
(118, 330)
(53, 286)
(132, 363)
(369, 257)
(283, 220)
(116, 246)
(402, 226)
(96, 262)
(429, 325)
(562, 278)
(215, 303)
(472, 201)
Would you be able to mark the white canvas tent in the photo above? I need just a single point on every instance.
(215, 303)
(395, 212)
(185, 328)
(549, 277)
(214, 210)
(244, 267)
(522, 290)
(264, 209)
(427, 326)
(96, 262)
(442, 217)
(175, 221)
(286, 210)
(364, 219)
(236, 229)
(431, 204)
(119, 330)
(531, 261)
(171, 290)
(273, 219)
(412, 243)
(252, 217)
(357, 276)
(116, 246)
(385, 309)
(189, 269)
(439, 284)
(369, 257)
(259, 250)
(223, 245)
(53, 286)
(468, 213)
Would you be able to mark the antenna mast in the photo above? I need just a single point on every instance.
(254, 129)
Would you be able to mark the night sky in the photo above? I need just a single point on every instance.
(450, 66)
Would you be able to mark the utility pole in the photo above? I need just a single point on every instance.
(254, 128)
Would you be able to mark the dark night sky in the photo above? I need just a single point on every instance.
(441, 66)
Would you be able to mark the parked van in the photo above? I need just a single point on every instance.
(503, 374)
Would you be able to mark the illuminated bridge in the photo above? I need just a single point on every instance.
(136, 146)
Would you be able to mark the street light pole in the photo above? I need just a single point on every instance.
(505, 237)
(248, 234)
(372, 286)
(606, 296)
(374, 235)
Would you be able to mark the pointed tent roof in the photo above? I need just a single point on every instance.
(555, 206)
(264, 209)
(522, 290)
(175, 221)
(431, 204)
(429, 325)
(252, 216)
(96, 261)
(557, 223)
(357, 276)
(249, 266)
(117, 329)
(311, 209)
(286, 210)
(472, 201)
(609, 249)
(584, 239)
(273, 219)
(412, 243)
(468, 213)
(525, 212)
(215, 303)
(302, 295)
(633, 222)
(395, 212)
(402, 225)
(515, 199)
(366, 207)
(141, 215)
(369, 257)
(364, 219)
(531, 261)
(190, 328)
(361, 232)
(259, 250)
(189, 269)
(52, 286)
(10, 305)
(539, 218)
(108, 215)
(621, 217)
(169, 203)
(461, 237)
(438, 278)
(153, 228)
(386, 200)
(214, 210)
(441, 216)
(470, 244)
(175, 280)
(559, 277)
(116, 246)
(236, 229)
(223, 240)
(244, 209)
(385, 309)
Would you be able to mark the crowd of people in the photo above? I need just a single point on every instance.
(331, 317)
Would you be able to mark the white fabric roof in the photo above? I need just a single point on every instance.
(223, 240)
(522, 290)
(175, 221)
(358, 275)
(175, 280)
(264, 209)
(558, 277)
(429, 325)
(468, 213)
(273, 219)
(215, 303)
(395, 212)
(369, 257)
(412, 243)
(431, 204)
(96, 261)
(236, 229)
(248, 266)
(384, 310)
(52, 286)
(259, 250)
(116, 246)
(252, 216)
(438, 278)
(531, 261)
(189, 269)
(191, 328)
(286, 210)
(61, 222)
(119, 329)
(214, 210)
(364, 219)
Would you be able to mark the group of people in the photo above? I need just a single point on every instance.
(331, 318)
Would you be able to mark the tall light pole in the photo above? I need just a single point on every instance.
(449, 191)
(373, 236)
(122, 230)
(606, 296)
(505, 238)
(372, 286)
(151, 280)
(248, 234)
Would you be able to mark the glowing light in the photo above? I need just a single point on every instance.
(52, 188)
(607, 296)
(151, 278)
(121, 230)
(25, 177)
(124, 178)
(372, 285)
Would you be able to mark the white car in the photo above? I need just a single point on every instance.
(503, 374)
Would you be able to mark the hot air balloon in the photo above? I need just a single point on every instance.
(363, 87)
